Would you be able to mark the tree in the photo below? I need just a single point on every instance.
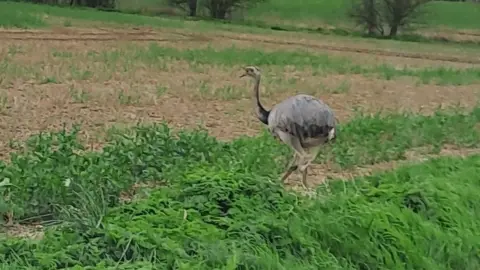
(374, 15)
(187, 5)
(400, 13)
(366, 14)
(192, 6)
(217, 9)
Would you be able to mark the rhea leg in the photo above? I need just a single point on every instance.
(292, 166)
(306, 162)
(304, 178)
(294, 143)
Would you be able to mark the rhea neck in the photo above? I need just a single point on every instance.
(262, 114)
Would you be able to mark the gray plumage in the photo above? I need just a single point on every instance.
(303, 122)
(304, 117)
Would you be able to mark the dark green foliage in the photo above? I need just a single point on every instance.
(211, 218)
(219, 205)
(54, 171)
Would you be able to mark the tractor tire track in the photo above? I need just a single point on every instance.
(379, 52)
(162, 35)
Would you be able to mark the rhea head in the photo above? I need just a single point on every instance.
(251, 71)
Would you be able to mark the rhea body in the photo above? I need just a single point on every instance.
(303, 122)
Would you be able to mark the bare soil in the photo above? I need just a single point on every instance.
(275, 41)
(175, 94)
(322, 173)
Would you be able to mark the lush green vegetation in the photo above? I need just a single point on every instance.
(219, 205)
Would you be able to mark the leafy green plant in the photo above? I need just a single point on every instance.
(213, 218)
(220, 205)
(53, 176)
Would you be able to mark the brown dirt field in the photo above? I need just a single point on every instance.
(42, 92)
(290, 41)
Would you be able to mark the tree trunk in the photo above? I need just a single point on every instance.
(371, 30)
(218, 10)
(393, 31)
(221, 14)
(192, 7)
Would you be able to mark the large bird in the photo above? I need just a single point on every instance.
(303, 122)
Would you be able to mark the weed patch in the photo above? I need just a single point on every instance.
(53, 177)
(156, 56)
(218, 217)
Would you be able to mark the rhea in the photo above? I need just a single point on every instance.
(303, 122)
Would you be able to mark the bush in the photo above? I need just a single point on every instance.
(374, 15)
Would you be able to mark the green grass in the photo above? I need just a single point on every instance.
(321, 64)
(322, 11)
(101, 65)
(129, 157)
(331, 12)
(450, 14)
(219, 205)
(461, 15)
(44, 14)
(18, 18)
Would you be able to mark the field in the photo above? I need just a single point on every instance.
(130, 142)
(441, 18)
